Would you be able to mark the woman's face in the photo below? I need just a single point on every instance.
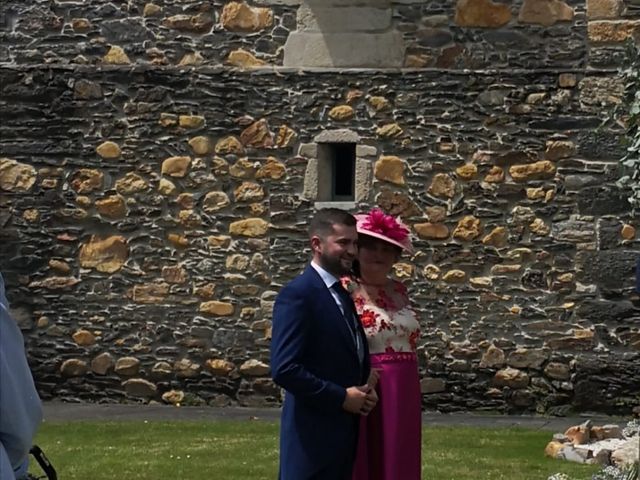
(376, 256)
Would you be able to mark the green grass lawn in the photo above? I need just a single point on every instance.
(240, 450)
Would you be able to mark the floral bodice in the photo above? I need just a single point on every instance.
(388, 319)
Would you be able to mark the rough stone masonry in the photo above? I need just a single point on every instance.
(159, 162)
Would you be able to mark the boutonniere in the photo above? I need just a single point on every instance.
(348, 283)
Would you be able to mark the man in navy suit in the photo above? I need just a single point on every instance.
(319, 355)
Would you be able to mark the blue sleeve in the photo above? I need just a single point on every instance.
(20, 406)
(289, 336)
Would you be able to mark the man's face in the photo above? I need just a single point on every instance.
(337, 250)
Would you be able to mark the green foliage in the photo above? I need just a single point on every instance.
(629, 111)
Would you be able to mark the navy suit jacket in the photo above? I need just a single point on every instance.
(313, 357)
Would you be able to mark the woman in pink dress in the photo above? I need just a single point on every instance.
(390, 436)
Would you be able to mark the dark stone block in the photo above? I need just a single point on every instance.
(534, 279)
(433, 37)
(566, 123)
(608, 233)
(609, 269)
(603, 201)
(128, 29)
(507, 38)
(600, 144)
(577, 182)
(606, 311)
(606, 57)
(152, 94)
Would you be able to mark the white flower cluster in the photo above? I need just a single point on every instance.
(632, 429)
(559, 476)
(609, 473)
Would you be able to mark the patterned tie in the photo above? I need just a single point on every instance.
(350, 317)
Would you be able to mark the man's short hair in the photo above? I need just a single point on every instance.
(323, 221)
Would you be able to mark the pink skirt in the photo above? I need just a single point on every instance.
(390, 438)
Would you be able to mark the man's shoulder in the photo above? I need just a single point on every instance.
(302, 284)
(302, 281)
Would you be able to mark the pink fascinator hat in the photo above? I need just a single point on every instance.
(378, 224)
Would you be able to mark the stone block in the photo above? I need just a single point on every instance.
(598, 9)
(482, 13)
(545, 13)
(352, 50)
(432, 385)
(337, 136)
(605, 200)
(342, 113)
(328, 19)
(366, 151)
(390, 168)
(348, 3)
(363, 180)
(310, 189)
(309, 150)
(599, 91)
(618, 31)
(139, 387)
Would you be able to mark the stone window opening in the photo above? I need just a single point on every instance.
(342, 160)
(339, 169)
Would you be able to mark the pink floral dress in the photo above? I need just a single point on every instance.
(387, 317)
(389, 446)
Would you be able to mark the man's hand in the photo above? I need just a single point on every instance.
(371, 400)
(355, 399)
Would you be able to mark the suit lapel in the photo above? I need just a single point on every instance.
(330, 310)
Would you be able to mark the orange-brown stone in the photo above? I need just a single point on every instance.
(397, 204)
(105, 255)
(482, 13)
(532, 171)
(248, 192)
(257, 135)
(214, 307)
(84, 338)
(272, 169)
(495, 175)
(599, 9)
(286, 136)
(250, 227)
(150, 293)
(498, 237)
(112, 206)
(432, 231)
(176, 166)
(240, 17)
(467, 172)
(390, 169)
(228, 145)
(242, 59)
(342, 113)
(391, 130)
(468, 228)
(618, 31)
(558, 149)
(87, 180)
(628, 232)
(442, 186)
(545, 12)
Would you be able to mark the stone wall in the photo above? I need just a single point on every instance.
(150, 212)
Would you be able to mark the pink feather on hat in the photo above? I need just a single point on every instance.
(378, 224)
